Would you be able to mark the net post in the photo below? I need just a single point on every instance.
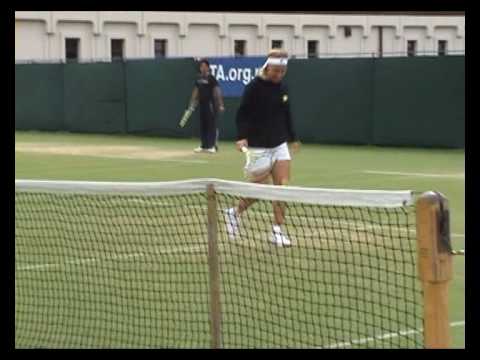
(213, 269)
(434, 266)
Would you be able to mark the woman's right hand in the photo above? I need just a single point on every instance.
(241, 143)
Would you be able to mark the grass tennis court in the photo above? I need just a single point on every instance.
(127, 158)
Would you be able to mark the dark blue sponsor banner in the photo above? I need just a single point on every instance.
(233, 74)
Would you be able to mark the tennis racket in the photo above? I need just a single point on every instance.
(247, 154)
(186, 116)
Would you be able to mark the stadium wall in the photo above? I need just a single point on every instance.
(416, 101)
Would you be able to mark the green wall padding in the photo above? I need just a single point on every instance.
(420, 101)
(331, 99)
(95, 97)
(39, 97)
(158, 92)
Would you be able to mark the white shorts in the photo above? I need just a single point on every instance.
(261, 160)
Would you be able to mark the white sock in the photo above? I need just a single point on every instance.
(276, 229)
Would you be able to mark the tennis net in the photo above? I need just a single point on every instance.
(158, 265)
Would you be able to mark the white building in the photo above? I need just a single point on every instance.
(103, 35)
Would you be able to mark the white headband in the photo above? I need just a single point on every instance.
(276, 61)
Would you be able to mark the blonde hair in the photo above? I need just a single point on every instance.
(273, 53)
(278, 53)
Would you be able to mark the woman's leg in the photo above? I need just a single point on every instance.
(232, 215)
(211, 130)
(244, 203)
(281, 176)
(204, 130)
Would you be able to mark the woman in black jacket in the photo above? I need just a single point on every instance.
(264, 126)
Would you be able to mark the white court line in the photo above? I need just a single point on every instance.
(453, 176)
(104, 156)
(384, 336)
(162, 160)
(188, 249)
(200, 249)
(178, 161)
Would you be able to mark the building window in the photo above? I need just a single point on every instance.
(117, 49)
(412, 47)
(160, 47)
(312, 46)
(239, 47)
(347, 31)
(442, 47)
(277, 44)
(380, 41)
(72, 47)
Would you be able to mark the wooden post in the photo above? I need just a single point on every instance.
(213, 269)
(434, 266)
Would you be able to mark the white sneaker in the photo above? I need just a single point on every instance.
(232, 223)
(279, 239)
(211, 150)
(198, 149)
